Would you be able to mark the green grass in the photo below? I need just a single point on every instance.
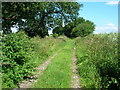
(58, 72)
(88, 73)
(45, 47)
(98, 62)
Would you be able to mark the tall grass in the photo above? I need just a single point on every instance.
(44, 47)
(99, 63)
(58, 72)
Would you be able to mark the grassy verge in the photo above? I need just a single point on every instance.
(89, 76)
(58, 72)
(98, 62)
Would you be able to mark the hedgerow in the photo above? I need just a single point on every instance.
(16, 59)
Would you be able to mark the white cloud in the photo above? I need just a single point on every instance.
(110, 24)
(112, 2)
(106, 28)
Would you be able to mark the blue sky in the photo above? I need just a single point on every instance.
(103, 14)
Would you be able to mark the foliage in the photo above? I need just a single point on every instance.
(79, 27)
(68, 28)
(55, 35)
(83, 29)
(79, 21)
(101, 53)
(16, 59)
(58, 30)
(36, 17)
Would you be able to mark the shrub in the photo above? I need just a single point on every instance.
(55, 35)
(58, 30)
(83, 29)
(16, 59)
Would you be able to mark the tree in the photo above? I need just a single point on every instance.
(58, 30)
(83, 29)
(68, 28)
(36, 17)
(12, 14)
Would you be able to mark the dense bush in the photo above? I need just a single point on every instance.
(101, 59)
(55, 35)
(58, 30)
(16, 59)
(83, 29)
(80, 27)
(68, 28)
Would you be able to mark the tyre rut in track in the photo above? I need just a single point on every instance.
(75, 82)
(39, 71)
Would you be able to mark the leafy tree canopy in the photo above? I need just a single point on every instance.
(68, 28)
(83, 29)
(58, 30)
(78, 27)
(36, 17)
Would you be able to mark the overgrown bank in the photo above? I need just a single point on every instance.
(98, 61)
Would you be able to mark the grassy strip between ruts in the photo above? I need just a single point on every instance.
(58, 72)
